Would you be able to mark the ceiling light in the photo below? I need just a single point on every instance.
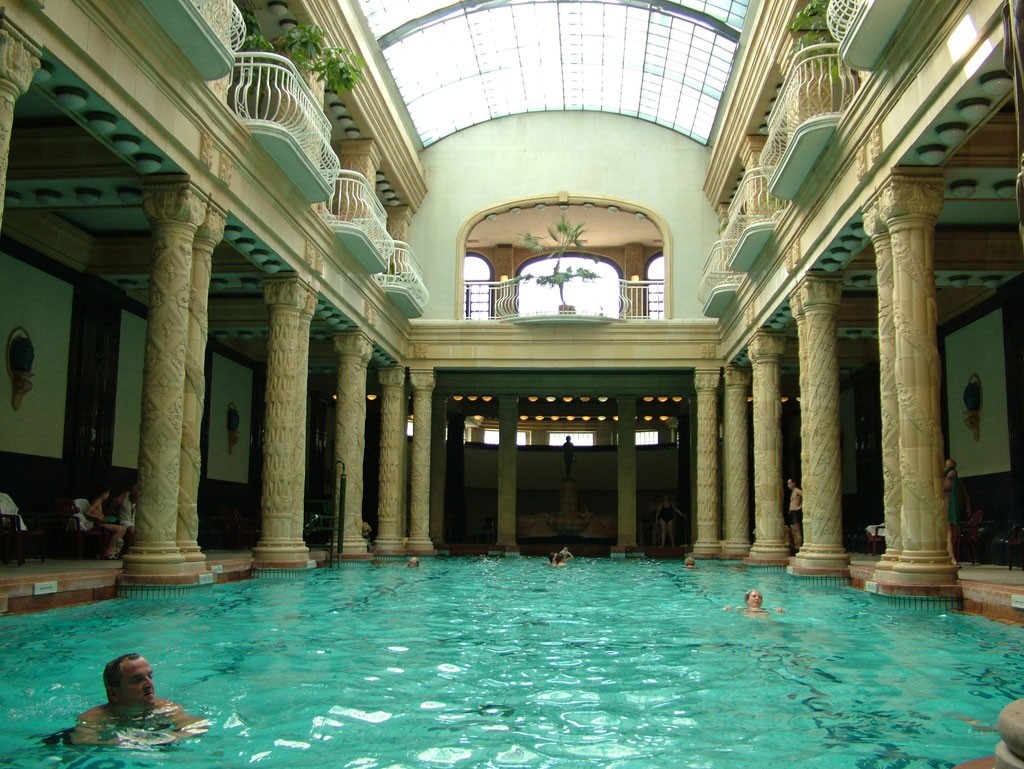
(147, 163)
(992, 281)
(588, 206)
(47, 197)
(287, 24)
(532, 399)
(88, 195)
(952, 133)
(828, 264)
(958, 281)
(974, 109)
(515, 210)
(338, 109)
(554, 419)
(271, 265)
(352, 132)
(259, 255)
(491, 217)
(996, 83)
(101, 122)
(932, 154)
(456, 397)
(613, 209)
(541, 206)
(640, 215)
(853, 333)
(567, 398)
(345, 122)
(12, 197)
(70, 97)
(129, 195)
(277, 7)
(550, 398)
(232, 232)
(1007, 188)
(963, 188)
(125, 143)
(860, 281)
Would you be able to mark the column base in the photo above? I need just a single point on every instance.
(388, 546)
(735, 550)
(706, 549)
(160, 569)
(420, 547)
(192, 553)
(816, 559)
(283, 556)
(769, 551)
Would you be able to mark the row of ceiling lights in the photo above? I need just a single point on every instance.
(565, 207)
(570, 398)
(973, 110)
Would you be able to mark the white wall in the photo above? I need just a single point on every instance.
(230, 383)
(581, 153)
(41, 305)
(978, 349)
(128, 407)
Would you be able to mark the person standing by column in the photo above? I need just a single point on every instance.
(796, 514)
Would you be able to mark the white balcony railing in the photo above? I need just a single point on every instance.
(500, 300)
(359, 221)
(719, 284)
(816, 91)
(204, 30)
(403, 281)
(284, 117)
(864, 28)
(753, 214)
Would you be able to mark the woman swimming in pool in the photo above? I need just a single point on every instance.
(753, 604)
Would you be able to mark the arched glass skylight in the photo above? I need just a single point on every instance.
(468, 62)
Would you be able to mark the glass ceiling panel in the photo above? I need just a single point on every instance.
(465, 63)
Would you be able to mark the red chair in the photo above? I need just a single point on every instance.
(14, 535)
(1015, 545)
(71, 525)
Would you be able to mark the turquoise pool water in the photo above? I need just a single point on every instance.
(510, 663)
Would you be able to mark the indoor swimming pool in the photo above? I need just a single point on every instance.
(482, 662)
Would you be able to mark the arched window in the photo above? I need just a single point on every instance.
(656, 292)
(591, 297)
(476, 272)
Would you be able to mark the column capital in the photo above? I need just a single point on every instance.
(911, 192)
(174, 201)
(212, 226)
(736, 376)
(766, 346)
(353, 344)
(706, 379)
(19, 57)
(360, 155)
(422, 379)
(292, 293)
(399, 218)
(874, 223)
(392, 376)
(818, 292)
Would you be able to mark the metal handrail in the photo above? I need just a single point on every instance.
(840, 16)
(502, 300)
(353, 201)
(225, 19)
(267, 88)
(817, 83)
(716, 270)
(404, 274)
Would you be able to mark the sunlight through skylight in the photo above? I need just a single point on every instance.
(466, 63)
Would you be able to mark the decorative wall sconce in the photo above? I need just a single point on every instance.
(972, 402)
(20, 355)
(234, 420)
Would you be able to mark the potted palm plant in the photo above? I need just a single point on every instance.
(563, 236)
(306, 45)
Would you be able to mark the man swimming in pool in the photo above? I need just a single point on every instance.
(133, 713)
(753, 604)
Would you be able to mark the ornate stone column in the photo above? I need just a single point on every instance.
(816, 303)
(360, 155)
(438, 467)
(19, 60)
(892, 490)
(209, 234)
(626, 459)
(291, 302)
(175, 210)
(910, 204)
(708, 532)
(770, 542)
(419, 504)
(508, 482)
(354, 350)
(390, 513)
(735, 455)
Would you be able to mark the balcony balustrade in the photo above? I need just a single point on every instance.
(753, 215)
(499, 300)
(403, 281)
(206, 31)
(864, 28)
(719, 284)
(279, 109)
(359, 221)
(818, 88)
